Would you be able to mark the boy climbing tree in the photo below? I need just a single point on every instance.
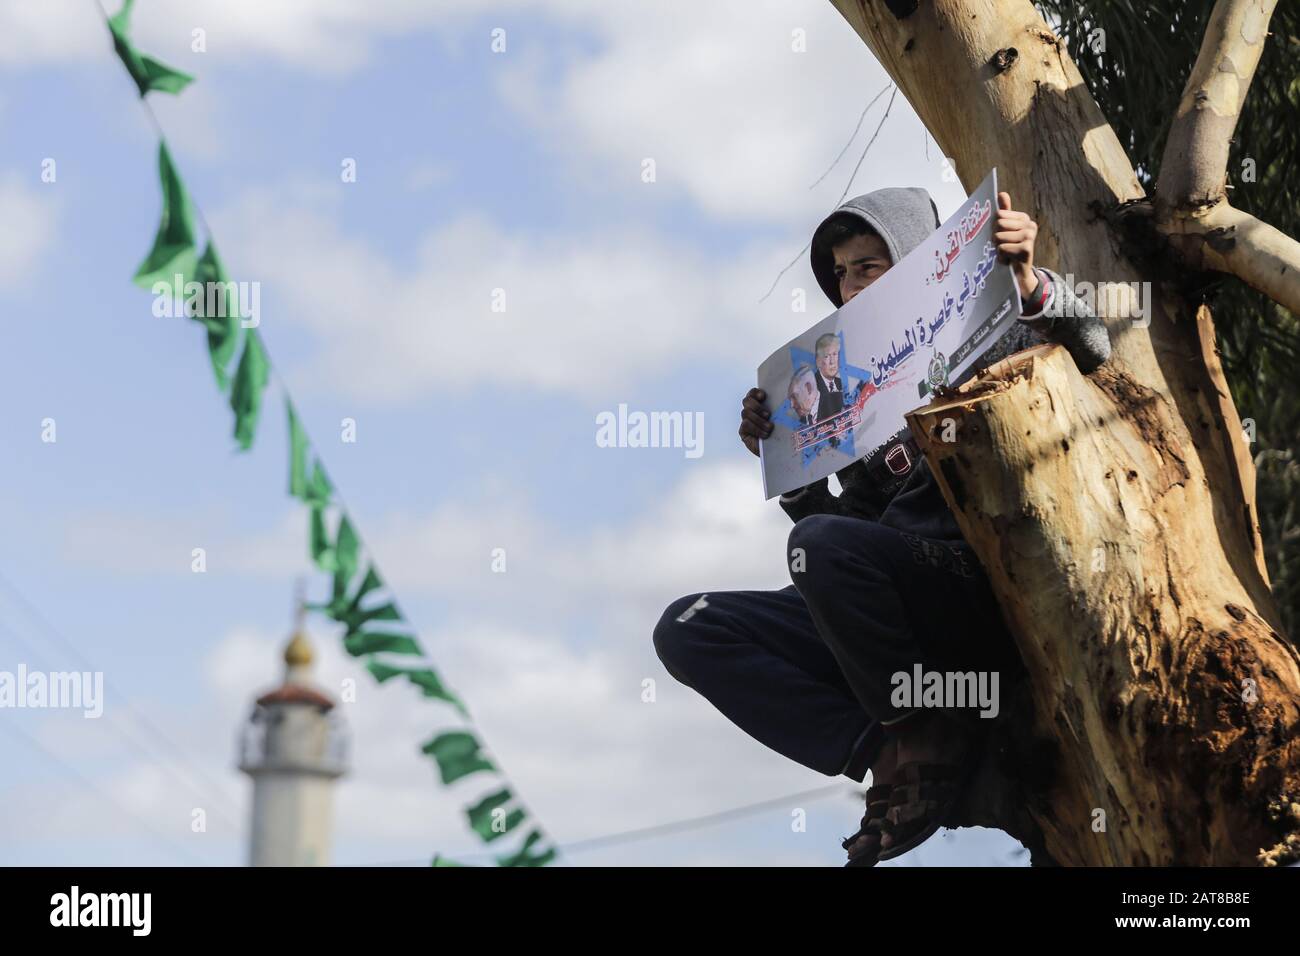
(882, 578)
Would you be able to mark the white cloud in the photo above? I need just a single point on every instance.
(585, 315)
(735, 120)
(30, 219)
(715, 92)
(712, 530)
(730, 113)
(162, 542)
(52, 31)
(737, 123)
(323, 35)
(319, 36)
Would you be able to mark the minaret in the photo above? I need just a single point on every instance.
(294, 746)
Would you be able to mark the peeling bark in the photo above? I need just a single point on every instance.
(1159, 696)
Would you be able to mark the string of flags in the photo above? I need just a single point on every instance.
(374, 629)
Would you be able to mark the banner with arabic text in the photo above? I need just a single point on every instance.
(839, 391)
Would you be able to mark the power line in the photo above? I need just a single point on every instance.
(161, 739)
(696, 823)
(660, 829)
(13, 729)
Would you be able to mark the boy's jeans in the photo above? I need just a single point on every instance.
(807, 670)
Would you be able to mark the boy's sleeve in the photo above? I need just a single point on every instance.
(858, 497)
(1058, 315)
(814, 499)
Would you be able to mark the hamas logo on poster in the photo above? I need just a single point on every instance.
(937, 376)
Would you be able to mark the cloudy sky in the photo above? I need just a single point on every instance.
(519, 169)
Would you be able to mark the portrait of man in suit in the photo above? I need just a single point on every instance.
(830, 386)
(805, 398)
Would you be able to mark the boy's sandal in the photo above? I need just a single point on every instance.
(919, 805)
(864, 846)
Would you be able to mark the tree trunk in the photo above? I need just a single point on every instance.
(1114, 513)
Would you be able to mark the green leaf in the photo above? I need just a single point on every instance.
(173, 251)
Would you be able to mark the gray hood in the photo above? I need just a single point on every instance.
(903, 216)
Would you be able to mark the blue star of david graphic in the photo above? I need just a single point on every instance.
(785, 414)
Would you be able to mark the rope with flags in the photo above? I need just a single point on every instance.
(375, 630)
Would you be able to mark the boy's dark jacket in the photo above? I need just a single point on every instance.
(911, 501)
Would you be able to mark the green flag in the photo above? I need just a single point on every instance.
(432, 686)
(223, 327)
(422, 677)
(341, 558)
(246, 392)
(481, 816)
(346, 553)
(319, 489)
(321, 551)
(350, 612)
(173, 247)
(298, 445)
(457, 754)
(318, 494)
(355, 618)
(524, 856)
(147, 72)
(371, 642)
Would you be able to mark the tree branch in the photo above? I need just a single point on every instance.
(1225, 239)
(1192, 207)
(1195, 160)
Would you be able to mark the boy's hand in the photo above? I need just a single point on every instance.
(754, 424)
(1014, 236)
